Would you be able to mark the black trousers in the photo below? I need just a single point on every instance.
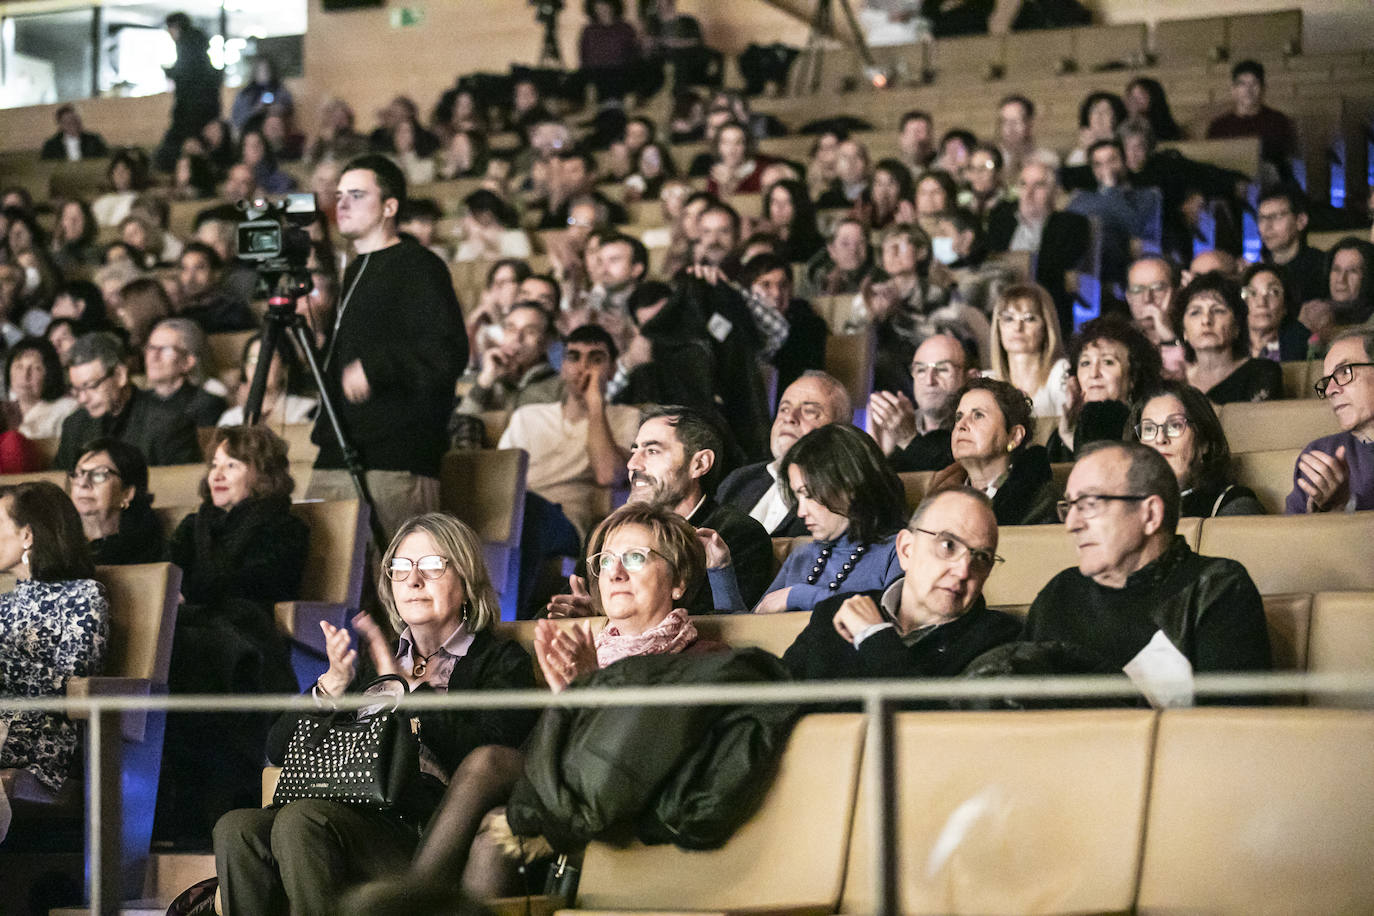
(297, 860)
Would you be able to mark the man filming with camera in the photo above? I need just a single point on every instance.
(394, 357)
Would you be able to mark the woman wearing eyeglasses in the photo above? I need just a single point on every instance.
(1028, 350)
(993, 454)
(1274, 333)
(439, 598)
(109, 487)
(1211, 319)
(1177, 420)
(240, 552)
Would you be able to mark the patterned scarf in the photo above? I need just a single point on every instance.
(670, 636)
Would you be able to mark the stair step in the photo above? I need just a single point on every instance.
(170, 873)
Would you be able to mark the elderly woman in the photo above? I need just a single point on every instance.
(109, 487)
(644, 561)
(1111, 360)
(1211, 319)
(438, 596)
(1178, 421)
(840, 486)
(993, 453)
(1274, 333)
(240, 552)
(1027, 348)
(279, 405)
(54, 626)
(39, 387)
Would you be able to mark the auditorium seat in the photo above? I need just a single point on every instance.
(1260, 811)
(226, 353)
(58, 477)
(486, 489)
(849, 358)
(915, 484)
(176, 485)
(1268, 473)
(1290, 622)
(45, 450)
(1272, 425)
(782, 547)
(1341, 640)
(1296, 553)
(1012, 812)
(1298, 378)
(789, 857)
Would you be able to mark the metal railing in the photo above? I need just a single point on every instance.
(878, 699)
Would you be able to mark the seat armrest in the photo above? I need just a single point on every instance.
(132, 722)
(300, 621)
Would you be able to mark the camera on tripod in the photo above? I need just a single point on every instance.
(273, 232)
(546, 11)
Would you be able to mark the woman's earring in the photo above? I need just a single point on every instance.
(24, 557)
(677, 593)
(467, 606)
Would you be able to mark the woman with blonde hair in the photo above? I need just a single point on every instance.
(1027, 348)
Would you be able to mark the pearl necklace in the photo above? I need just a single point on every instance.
(848, 567)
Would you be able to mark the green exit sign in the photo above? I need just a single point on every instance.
(405, 17)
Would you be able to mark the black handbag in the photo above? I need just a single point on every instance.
(369, 758)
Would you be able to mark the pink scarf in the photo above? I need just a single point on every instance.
(670, 636)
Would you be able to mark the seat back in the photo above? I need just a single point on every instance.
(849, 358)
(1341, 639)
(783, 547)
(45, 452)
(1012, 812)
(1272, 425)
(1268, 473)
(1295, 553)
(1299, 376)
(176, 484)
(143, 606)
(338, 547)
(226, 351)
(58, 477)
(1290, 622)
(791, 853)
(915, 484)
(486, 489)
(1260, 811)
(771, 632)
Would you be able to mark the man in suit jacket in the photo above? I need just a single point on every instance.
(112, 406)
(811, 401)
(71, 142)
(1057, 240)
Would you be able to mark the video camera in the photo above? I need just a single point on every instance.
(546, 11)
(273, 232)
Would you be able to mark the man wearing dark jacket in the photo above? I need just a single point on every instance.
(396, 354)
(769, 278)
(195, 98)
(71, 142)
(112, 406)
(931, 622)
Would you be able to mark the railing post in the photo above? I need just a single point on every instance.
(880, 778)
(104, 819)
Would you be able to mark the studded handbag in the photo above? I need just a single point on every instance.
(369, 758)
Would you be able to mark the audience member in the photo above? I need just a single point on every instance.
(1150, 286)
(195, 97)
(139, 305)
(787, 208)
(1016, 135)
(915, 437)
(995, 454)
(936, 193)
(1250, 117)
(916, 140)
(1336, 473)
(842, 265)
(669, 358)
(1211, 319)
(281, 402)
(1282, 219)
(1351, 302)
(810, 402)
(840, 487)
(517, 372)
(852, 177)
(1272, 331)
(439, 597)
(263, 90)
(109, 487)
(983, 178)
(73, 237)
(1145, 99)
(54, 624)
(37, 386)
(1177, 420)
(1111, 361)
(112, 406)
(175, 359)
(1028, 350)
(126, 178)
(930, 622)
(1125, 217)
(769, 278)
(71, 142)
(888, 197)
(1137, 578)
(1099, 115)
(737, 168)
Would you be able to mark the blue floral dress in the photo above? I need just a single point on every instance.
(49, 632)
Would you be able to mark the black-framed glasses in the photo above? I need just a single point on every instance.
(92, 476)
(431, 567)
(632, 558)
(1172, 427)
(93, 384)
(1090, 505)
(1342, 376)
(951, 549)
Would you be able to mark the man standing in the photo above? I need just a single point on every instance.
(395, 356)
(71, 142)
(1336, 473)
(916, 437)
(112, 406)
(931, 622)
(172, 357)
(1250, 117)
(1138, 581)
(810, 402)
(195, 99)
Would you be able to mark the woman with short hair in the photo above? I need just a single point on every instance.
(109, 487)
(1210, 317)
(38, 385)
(1110, 360)
(1272, 331)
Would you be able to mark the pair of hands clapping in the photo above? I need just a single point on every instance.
(343, 657)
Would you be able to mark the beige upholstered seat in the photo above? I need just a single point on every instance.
(1268, 473)
(1272, 425)
(1341, 639)
(1013, 812)
(1295, 553)
(1260, 811)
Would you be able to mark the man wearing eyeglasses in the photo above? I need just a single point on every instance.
(1336, 473)
(931, 622)
(916, 437)
(172, 360)
(112, 406)
(1138, 583)
(810, 402)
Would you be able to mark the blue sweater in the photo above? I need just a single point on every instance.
(876, 569)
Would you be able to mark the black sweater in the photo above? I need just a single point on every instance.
(400, 317)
